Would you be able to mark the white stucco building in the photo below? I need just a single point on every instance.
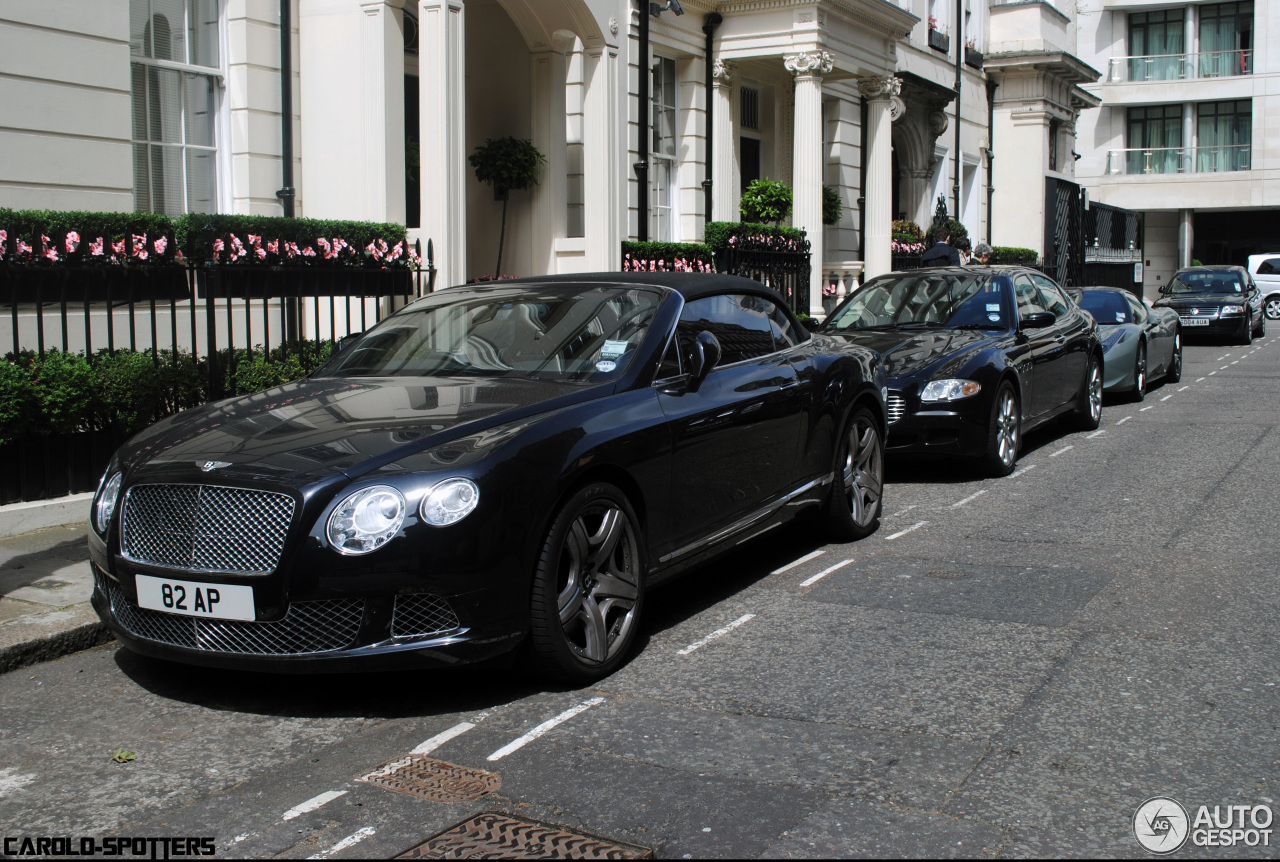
(1187, 125)
(175, 105)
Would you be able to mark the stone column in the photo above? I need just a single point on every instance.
(879, 93)
(807, 160)
(1186, 236)
(442, 131)
(727, 176)
(601, 172)
(547, 126)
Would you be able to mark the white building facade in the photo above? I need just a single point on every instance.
(176, 105)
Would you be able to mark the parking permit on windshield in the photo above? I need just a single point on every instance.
(613, 349)
(993, 306)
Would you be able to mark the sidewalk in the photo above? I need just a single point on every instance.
(45, 585)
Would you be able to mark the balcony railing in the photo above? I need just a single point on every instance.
(1175, 67)
(1180, 160)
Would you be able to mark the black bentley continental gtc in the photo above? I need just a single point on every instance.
(488, 468)
(975, 357)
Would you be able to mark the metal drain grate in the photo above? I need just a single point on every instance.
(433, 780)
(497, 836)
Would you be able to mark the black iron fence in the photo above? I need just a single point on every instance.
(215, 316)
(786, 271)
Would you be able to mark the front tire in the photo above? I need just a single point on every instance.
(1004, 433)
(588, 587)
(1271, 308)
(1247, 338)
(1089, 408)
(1139, 374)
(1261, 329)
(857, 495)
(1174, 373)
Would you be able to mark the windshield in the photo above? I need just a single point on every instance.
(1227, 282)
(1106, 307)
(536, 332)
(926, 298)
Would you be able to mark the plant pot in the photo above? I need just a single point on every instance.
(972, 57)
(939, 41)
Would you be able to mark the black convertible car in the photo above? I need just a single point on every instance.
(975, 357)
(488, 467)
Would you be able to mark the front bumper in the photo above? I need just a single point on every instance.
(1217, 326)
(957, 428)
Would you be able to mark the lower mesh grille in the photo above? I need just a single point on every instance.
(422, 615)
(308, 627)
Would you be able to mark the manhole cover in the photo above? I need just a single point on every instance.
(433, 780)
(497, 836)
(945, 574)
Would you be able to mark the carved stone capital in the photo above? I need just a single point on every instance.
(897, 108)
(723, 70)
(813, 63)
(878, 88)
(938, 122)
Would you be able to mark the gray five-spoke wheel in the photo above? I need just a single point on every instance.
(1139, 372)
(863, 471)
(598, 582)
(1095, 388)
(1007, 428)
(1273, 308)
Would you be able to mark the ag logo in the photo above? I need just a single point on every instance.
(206, 466)
(1161, 825)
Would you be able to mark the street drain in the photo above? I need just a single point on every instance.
(433, 780)
(946, 574)
(497, 836)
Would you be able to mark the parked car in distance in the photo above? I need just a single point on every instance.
(1139, 343)
(1265, 269)
(1217, 301)
(506, 466)
(975, 357)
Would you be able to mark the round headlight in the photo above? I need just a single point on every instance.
(449, 501)
(106, 502)
(366, 520)
(949, 390)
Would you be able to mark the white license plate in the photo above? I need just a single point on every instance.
(1194, 321)
(195, 599)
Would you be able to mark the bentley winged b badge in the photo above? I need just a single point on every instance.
(206, 466)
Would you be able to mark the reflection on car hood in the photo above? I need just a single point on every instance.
(913, 351)
(314, 428)
(1185, 300)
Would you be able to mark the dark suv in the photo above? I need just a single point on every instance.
(1215, 300)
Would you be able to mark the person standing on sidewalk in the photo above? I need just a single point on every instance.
(942, 253)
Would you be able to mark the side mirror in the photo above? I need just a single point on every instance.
(1038, 320)
(810, 324)
(1164, 289)
(347, 340)
(706, 355)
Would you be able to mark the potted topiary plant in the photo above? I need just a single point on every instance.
(506, 164)
(766, 200)
(832, 206)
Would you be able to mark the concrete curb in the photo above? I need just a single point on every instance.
(43, 637)
(18, 518)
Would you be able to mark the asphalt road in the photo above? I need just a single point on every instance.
(1008, 667)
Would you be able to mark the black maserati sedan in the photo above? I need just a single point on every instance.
(975, 357)
(489, 468)
(1215, 301)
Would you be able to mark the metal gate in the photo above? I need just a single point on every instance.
(1063, 232)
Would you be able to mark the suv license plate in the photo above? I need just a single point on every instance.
(196, 599)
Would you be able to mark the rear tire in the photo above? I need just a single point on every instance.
(588, 587)
(1088, 414)
(856, 499)
(1139, 391)
(1174, 373)
(1271, 306)
(1004, 432)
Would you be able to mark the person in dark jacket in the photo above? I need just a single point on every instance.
(942, 254)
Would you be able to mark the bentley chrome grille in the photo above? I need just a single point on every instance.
(896, 406)
(205, 528)
(308, 627)
(422, 615)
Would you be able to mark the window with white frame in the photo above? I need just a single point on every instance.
(177, 80)
(663, 176)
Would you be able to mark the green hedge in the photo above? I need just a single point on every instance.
(1014, 255)
(637, 255)
(111, 227)
(198, 234)
(61, 393)
(717, 233)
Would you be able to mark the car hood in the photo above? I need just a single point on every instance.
(315, 428)
(1188, 300)
(908, 352)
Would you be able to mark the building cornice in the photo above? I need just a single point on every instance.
(1065, 67)
(883, 15)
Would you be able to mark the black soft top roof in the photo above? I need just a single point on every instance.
(690, 285)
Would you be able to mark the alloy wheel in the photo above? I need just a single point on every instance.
(1139, 373)
(1007, 428)
(863, 471)
(1273, 308)
(1095, 389)
(598, 582)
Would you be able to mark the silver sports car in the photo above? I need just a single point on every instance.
(1140, 343)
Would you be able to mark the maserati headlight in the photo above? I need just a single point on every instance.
(366, 520)
(949, 390)
(1232, 310)
(449, 501)
(106, 502)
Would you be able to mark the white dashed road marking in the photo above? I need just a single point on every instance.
(517, 744)
(789, 566)
(1185, 388)
(718, 633)
(1124, 420)
(915, 526)
(1198, 379)
(1095, 434)
(1060, 451)
(822, 574)
(441, 738)
(1018, 473)
(312, 804)
(1145, 409)
(1211, 373)
(1167, 397)
(968, 499)
(351, 840)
